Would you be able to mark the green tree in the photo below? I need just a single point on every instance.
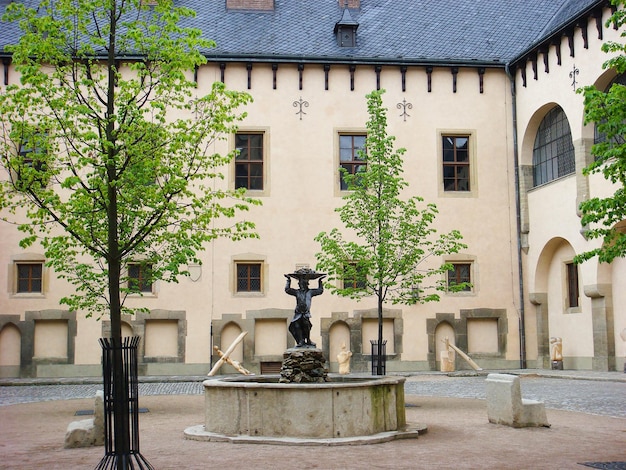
(605, 218)
(390, 248)
(108, 150)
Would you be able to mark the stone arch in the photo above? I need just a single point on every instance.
(443, 330)
(432, 326)
(361, 353)
(528, 138)
(339, 334)
(542, 269)
(539, 298)
(555, 317)
(10, 350)
(230, 332)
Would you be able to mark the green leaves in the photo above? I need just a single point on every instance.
(603, 218)
(112, 157)
(389, 243)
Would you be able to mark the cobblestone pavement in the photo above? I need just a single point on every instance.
(587, 396)
(593, 396)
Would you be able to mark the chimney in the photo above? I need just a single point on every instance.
(263, 5)
(352, 4)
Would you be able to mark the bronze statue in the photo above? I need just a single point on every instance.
(300, 326)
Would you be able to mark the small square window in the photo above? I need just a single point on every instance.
(460, 273)
(139, 277)
(29, 278)
(352, 278)
(249, 277)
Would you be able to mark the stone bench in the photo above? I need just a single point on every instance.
(505, 404)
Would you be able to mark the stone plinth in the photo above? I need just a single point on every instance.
(303, 365)
(345, 410)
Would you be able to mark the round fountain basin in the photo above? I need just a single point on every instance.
(343, 408)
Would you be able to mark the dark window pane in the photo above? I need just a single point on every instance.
(138, 277)
(29, 277)
(349, 149)
(256, 141)
(249, 162)
(553, 152)
(572, 285)
(456, 160)
(248, 277)
(460, 273)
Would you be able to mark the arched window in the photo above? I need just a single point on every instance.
(553, 153)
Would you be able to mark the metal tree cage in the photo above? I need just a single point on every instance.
(121, 400)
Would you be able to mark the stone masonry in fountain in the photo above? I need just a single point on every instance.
(345, 410)
(304, 405)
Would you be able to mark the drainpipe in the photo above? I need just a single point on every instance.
(521, 326)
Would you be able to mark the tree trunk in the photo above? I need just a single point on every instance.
(121, 425)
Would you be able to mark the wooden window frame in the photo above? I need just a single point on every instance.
(249, 278)
(359, 281)
(241, 162)
(29, 278)
(457, 276)
(455, 164)
(353, 164)
(572, 285)
(139, 277)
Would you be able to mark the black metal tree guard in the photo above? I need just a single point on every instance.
(379, 357)
(121, 401)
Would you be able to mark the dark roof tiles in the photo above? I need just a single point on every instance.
(457, 31)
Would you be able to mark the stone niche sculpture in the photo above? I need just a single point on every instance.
(556, 353)
(343, 358)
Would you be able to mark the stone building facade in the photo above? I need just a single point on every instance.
(488, 84)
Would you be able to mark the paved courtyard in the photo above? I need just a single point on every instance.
(600, 394)
(587, 417)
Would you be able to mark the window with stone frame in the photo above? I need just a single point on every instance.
(29, 171)
(572, 284)
(352, 278)
(460, 273)
(456, 162)
(249, 164)
(139, 277)
(249, 277)
(351, 156)
(29, 277)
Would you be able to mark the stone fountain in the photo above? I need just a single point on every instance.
(304, 404)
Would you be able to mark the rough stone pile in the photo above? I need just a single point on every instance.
(301, 365)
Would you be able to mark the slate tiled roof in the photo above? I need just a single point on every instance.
(487, 32)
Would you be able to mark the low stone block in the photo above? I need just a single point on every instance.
(80, 434)
(87, 432)
(505, 404)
